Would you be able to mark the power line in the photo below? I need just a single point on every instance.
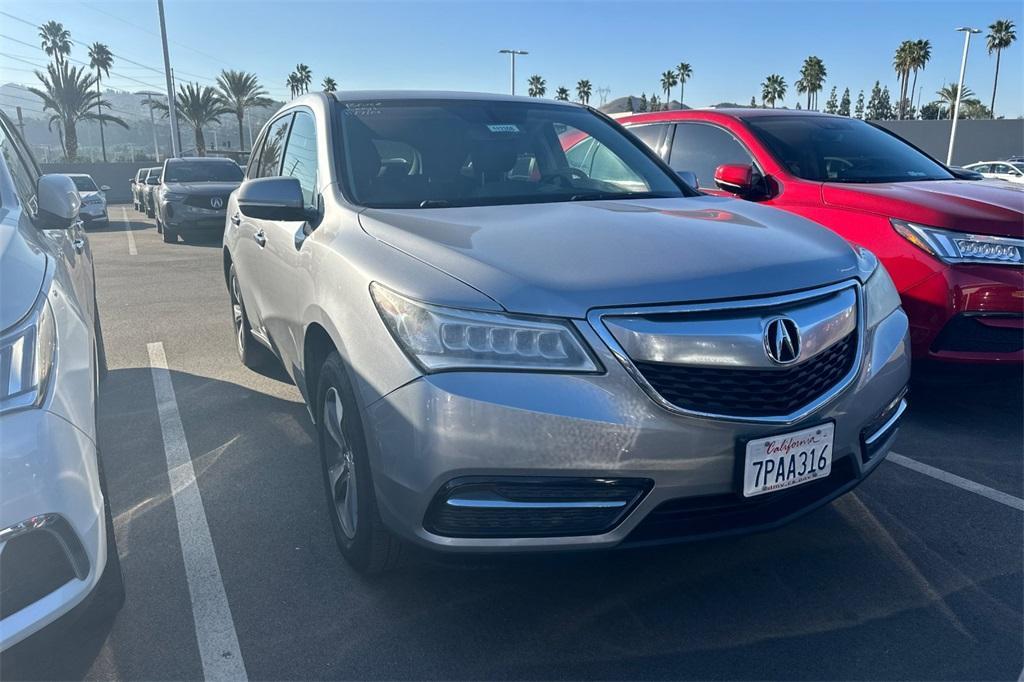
(36, 101)
(70, 59)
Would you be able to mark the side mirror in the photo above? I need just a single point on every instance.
(104, 188)
(735, 178)
(58, 202)
(689, 177)
(276, 198)
(131, 181)
(964, 174)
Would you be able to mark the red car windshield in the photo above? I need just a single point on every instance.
(828, 149)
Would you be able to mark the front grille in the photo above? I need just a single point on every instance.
(204, 201)
(751, 392)
(695, 517)
(965, 333)
(509, 507)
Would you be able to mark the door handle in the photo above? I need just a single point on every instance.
(260, 238)
(79, 245)
(236, 219)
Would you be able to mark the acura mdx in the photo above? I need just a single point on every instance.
(502, 352)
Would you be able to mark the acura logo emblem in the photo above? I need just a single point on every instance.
(216, 202)
(782, 340)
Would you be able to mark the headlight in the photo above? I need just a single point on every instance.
(880, 295)
(441, 338)
(961, 247)
(26, 358)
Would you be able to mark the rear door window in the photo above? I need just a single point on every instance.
(652, 135)
(701, 148)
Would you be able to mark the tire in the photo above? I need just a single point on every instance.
(159, 226)
(362, 538)
(109, 594)
(251, 352)
(170, 237)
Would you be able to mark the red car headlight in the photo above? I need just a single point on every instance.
(961, 247)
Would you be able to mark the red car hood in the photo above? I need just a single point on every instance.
(964, 205)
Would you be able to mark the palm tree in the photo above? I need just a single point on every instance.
(329, 84)
(773, 89)
(922, 52)
(668, 81)
(240, 90)
(583, 89)
(55, 41)
(68, 93)
(538, 86)
(101, 59)
(199, 105)
(305, 76)
(1001, 35)
(562, 93)
(903, 62)
(813, 74)
(294, 86)
(683, 71)
(947, 97)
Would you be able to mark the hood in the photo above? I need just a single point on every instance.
(565, 258)
(963, 205)
(22, 269)
(203, 188)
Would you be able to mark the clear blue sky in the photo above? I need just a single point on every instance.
(625, 46)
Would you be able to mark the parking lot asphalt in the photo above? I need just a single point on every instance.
(908, 577)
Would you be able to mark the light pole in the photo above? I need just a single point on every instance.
(512, 54)
(152, 122)
(171, 102)
(967, 31)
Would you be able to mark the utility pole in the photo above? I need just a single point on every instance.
(512, 54)
(967, 31)
(172, 107)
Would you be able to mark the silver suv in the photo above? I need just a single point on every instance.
(502, 352)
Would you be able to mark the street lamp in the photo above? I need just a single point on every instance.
(512, 54)
(967, 31)
(152, 122)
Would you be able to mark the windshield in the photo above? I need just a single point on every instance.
(831, 149)
(83, 183)
(203, 172)
(433, 154)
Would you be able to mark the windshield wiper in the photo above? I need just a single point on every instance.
(593, 196)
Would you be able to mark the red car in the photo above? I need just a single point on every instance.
(954, 248)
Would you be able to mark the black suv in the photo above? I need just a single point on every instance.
(193, 196)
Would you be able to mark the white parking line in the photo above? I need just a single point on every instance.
(132, 251)
(963, 483)
(215, 629)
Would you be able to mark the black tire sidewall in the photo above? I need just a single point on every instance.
(357, 549)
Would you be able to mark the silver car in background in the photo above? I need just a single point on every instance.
(94, 199)
(56, 534)
(502, 352)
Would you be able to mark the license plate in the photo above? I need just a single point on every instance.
(787, 459)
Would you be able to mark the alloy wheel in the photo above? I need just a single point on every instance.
(341, 473)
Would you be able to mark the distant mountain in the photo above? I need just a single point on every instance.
(623, 105)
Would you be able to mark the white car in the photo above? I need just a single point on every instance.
(1011, 171)
(94, 199)
(57, 546)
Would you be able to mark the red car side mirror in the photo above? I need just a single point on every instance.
(735, 178)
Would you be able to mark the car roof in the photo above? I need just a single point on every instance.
(397, 95)
(200, 159)
(739, 113)
(79, 175)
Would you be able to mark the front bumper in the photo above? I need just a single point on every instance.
(463, 424)
(48, 478)
(181, 218)
(968, 313)
(93, 213)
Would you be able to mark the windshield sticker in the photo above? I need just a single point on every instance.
(503, 128)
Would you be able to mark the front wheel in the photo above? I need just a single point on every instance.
(252, 354)
(358, 530)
